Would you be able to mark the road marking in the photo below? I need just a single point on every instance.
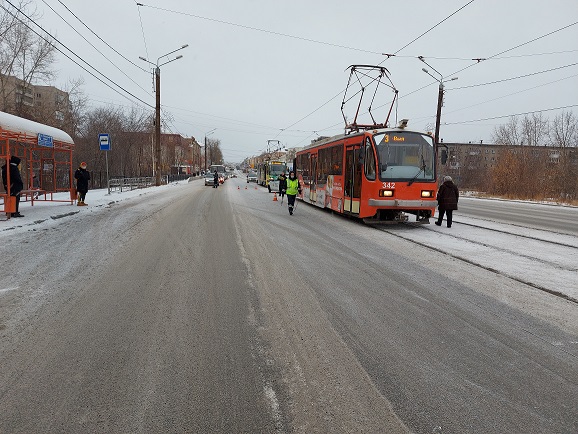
(274, 404)
(7, 289)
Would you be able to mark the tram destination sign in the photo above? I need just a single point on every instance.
(45, 140)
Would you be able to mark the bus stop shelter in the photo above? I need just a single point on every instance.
(46, 161)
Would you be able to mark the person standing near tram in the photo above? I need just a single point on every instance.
(447, 198)
(293, 188)
(282, 185)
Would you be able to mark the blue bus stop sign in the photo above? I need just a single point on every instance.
(45, 140)
(104, 140)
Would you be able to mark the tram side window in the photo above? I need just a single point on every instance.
(303, 167)
(369, 161)
(323, 164)
(336, 167)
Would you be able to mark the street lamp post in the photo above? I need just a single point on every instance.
(206, 134)
(158, 109)
(440, 97)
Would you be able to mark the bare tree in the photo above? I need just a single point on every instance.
(214, 153)
(542, 161)
(24, 55)
(564, 130)
(75, 113)
(534, 130)
(508, 134)
(564, 173)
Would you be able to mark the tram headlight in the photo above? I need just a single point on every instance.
(426, 193)
(385, 193)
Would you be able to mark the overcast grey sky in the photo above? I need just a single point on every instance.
(259, 70)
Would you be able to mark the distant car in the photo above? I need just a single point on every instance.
(251, 177)
(209, 178)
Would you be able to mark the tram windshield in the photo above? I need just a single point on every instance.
(404, 155)
(278, 168)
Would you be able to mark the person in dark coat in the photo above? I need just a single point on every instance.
(216, 180)
(282, 186)
(447, 198)
(82, 177)
(16, 184)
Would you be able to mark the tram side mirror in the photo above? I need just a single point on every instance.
(444, 156)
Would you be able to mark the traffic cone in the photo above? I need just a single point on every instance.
(238, 188)
(245, 187)
(275, 197)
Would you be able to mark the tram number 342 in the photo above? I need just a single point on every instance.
(390, 185)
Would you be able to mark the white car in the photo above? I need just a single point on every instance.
(209, 178)
(251, 177)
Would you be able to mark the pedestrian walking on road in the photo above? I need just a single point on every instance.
(282, 186)
(16, 184)
(293, 188)
(216, 180)
(82, 177)
(447, 198)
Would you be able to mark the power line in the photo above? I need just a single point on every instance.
(509, 116)
(256, 29)
(504, 96)
(388, 56)
(142, 29)
(517, 46)
(480, 59)
(70, 58)
(102, 40)
(430, 29)
(515, 78)
(92, 45)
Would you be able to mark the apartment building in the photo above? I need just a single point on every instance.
(470, 163)
(46, 104)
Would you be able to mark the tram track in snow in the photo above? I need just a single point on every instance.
(537, 238)
(495, 248)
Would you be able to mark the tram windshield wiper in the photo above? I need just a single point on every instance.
(421, 169)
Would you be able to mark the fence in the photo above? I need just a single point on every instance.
(122, 184)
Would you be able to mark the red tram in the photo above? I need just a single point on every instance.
(378, 175)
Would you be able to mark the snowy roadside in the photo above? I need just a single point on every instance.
(45, 214)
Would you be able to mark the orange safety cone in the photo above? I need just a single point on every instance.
(275, 197)
(245, 187)
(238, 188)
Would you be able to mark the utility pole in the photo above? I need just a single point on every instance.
(440, 98)
(439, 113)
(157, 150)
(206, 134)
(158, 127)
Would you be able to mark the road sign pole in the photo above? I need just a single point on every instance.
(107, 178)
(104, 141)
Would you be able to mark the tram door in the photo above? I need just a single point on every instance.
(353, 164)
(313, 179)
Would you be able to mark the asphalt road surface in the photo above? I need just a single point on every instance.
(555, 218)
(214, 311)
